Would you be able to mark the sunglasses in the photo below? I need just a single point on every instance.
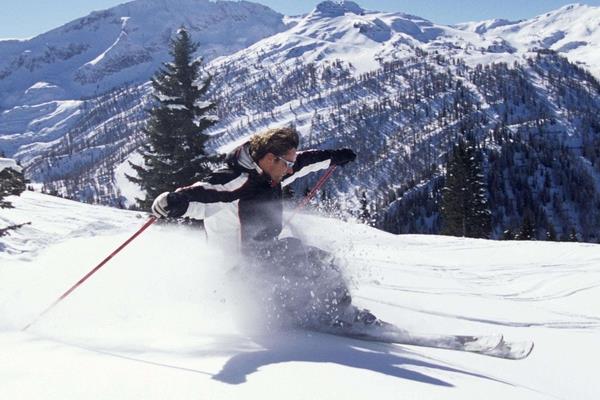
(289, 164)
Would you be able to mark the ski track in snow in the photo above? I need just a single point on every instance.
(554, 324)
(163, 320)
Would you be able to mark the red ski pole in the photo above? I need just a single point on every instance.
(312, 193)
(150, 221)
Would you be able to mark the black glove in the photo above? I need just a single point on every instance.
(170, 204)
(342, 156)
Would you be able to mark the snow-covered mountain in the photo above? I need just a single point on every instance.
(344, 31)
(400, 90)
(44, 79)
(160, 321)
(123, 44)
(572, 31)
(396, 87)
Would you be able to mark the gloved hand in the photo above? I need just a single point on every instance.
(170, 204)
(160, 206)
(342, 156)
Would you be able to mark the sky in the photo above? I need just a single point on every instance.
(27, 18)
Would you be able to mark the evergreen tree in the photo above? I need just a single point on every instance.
(527, 231)
(174, 154)
(12, 182)
(465, 210)
(551, 234)
(365, 213)
(508, 235)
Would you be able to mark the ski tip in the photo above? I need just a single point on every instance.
(520, 350)
(528, 352)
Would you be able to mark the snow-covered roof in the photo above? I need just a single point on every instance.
(9, 163)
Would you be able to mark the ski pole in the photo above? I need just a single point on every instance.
(150, 221)
(312, 193)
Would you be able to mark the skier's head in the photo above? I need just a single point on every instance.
(275, 151)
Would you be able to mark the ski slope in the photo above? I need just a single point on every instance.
(163, 319)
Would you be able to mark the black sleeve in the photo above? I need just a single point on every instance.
(307, 158)
(306, 162)
(220, 187)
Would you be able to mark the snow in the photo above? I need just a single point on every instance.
(176, 107)
(336, 9)
(69, 107)
(161, 320)
(129, 190)
(199, 121)
(163, 98)
(95, 61)
(482, 27)
(40, 85)
(28, 126)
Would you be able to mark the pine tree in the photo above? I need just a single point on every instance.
(551, 233)
(175, 154)
(527, 231)
(508, 235)
(12, 182)
(365, 213)
(480, 215)
(465, 210)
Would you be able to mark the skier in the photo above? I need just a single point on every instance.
(241, 205)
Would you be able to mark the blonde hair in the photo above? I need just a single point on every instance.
(275, 140)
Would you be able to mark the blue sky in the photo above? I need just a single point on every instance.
(26, 18)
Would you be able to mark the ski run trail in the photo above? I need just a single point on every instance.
(162, 319)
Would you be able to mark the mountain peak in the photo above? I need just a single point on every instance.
(482, 27)
(568, 11)
(337, 8)
(573, 6)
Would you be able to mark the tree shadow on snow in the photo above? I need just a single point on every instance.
(321, 348)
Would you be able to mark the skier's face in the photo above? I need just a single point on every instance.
(279, 166)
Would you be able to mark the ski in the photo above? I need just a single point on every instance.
(489, 345)
(511, 350)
